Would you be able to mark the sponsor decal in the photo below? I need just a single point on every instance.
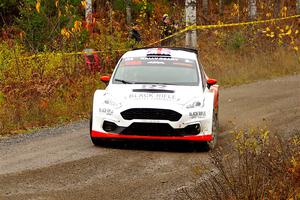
(153, 96)
(154, 86)
(134, 62)
(159, 58)
(106, 111)
(128, 59)
(156, 62)
(197, 114)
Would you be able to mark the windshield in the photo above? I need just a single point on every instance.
(169, 71)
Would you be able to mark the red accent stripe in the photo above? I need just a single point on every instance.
(97, 134)
(159, 51)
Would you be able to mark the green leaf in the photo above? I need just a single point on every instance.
(2, 98)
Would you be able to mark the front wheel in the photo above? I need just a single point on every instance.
(215, 126)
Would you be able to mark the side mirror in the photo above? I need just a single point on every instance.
(105, 79)
(211, 82)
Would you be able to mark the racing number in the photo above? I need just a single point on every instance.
(153, 86)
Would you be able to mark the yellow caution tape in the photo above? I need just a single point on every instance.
(195, 27)
(68, 54)
(189, 28)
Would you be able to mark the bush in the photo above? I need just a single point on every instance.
(261, 167)
(42, 22)
(236, 40)
(8, 10)
(44, 90)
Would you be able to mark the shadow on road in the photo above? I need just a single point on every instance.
(166, 146)
(163, 146)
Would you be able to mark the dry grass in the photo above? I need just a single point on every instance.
(234, 68)
(45, 91)
(255, 167)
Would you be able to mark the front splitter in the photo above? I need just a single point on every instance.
(96, 134)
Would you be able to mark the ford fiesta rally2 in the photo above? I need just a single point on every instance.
(157, 94)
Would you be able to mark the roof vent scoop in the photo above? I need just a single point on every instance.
(159, 52)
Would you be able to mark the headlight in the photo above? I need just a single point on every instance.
(112, 103)
(194, 104)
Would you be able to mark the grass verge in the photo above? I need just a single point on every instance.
(257, 166)
(235, 68)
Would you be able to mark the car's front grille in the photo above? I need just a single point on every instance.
(160, 129)
(151, 113)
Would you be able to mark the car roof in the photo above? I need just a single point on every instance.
(163, 51)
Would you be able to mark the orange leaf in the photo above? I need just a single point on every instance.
(38, 6)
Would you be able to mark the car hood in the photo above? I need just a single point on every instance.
(137, 94)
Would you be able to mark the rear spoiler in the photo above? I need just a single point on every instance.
(171, 48)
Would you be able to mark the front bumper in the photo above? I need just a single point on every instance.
(191, 126)
(96, 134)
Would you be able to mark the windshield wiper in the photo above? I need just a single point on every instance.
(123, 81)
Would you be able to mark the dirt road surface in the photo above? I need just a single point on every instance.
(62, 163)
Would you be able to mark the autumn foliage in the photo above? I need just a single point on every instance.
(43, 76)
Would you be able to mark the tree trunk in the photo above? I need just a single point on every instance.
(190, 15)
(298, 7)
(277, 6)
(241, 4)
(205, 7)
(221, 7)
(89, 12)
(252, 9)
(128, 12)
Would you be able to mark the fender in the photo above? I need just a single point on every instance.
(209, 107)
(215, 90)
(97, 96)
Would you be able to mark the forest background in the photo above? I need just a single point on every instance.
(44, 79)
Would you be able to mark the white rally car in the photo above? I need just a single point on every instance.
(157, 94)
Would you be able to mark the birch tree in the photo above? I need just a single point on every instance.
(190, 15)
(89, 11)
(128, 12)
(205, 7)
(252, 9)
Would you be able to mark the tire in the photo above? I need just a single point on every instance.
(215, 127)
(91, 123)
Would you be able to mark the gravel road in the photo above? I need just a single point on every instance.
(62, 163)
